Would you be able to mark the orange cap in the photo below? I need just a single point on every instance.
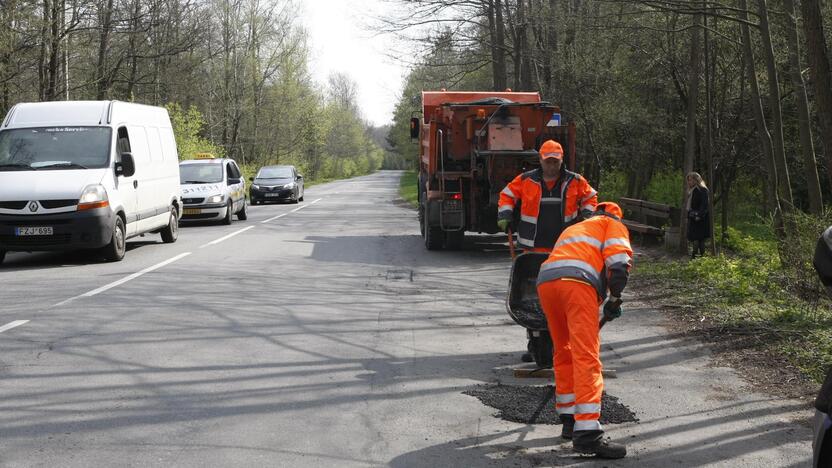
(551, 149)
(610, 208)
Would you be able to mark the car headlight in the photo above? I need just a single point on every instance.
(290, 185)
(255, 186)
(93, 196)
(215, 199)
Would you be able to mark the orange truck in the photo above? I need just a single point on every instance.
(471, 144)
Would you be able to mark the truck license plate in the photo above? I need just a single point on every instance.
(34, 231)
(191, 211)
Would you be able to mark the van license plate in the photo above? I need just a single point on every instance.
(191, 211)
(33, 231)
(270, 195)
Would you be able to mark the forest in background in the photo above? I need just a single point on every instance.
(737, 90)
(234, 75)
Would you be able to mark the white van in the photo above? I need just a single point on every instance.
(86, 175)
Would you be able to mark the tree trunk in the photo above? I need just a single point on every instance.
(498, 52)
(804, 120)
(101, 75)
(690, 132)
(709, 137)
(819, 72)
(43, 50)
(772, 196)
(784, 187)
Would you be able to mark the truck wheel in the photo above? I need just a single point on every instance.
(454, 240)
(171, 232)
(434, 237)
(542, 351)
(242, 215)
(229, 213)
(422, 198)
(114, 251)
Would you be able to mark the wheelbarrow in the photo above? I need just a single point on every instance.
(523, 305)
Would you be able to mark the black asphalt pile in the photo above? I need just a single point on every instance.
(530, 314)
(535, 405)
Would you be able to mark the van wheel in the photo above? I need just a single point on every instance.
(301, 198)
(114, 251)
(242, 215)
(171, 232)
(229, 213)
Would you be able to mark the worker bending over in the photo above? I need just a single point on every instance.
(589, 259)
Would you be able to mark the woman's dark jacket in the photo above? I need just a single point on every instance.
(701, 229)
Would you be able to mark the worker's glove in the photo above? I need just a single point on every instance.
(503, 224)
(612, 309)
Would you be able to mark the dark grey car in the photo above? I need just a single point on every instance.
(276, 183)
(822, 441)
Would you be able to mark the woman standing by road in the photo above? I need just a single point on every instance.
(699, 221)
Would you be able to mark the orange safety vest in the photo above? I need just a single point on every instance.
(588, 251)
(574, 196)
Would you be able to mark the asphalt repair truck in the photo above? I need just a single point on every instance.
(471, 144)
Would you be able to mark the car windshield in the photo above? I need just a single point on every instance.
(275, 173)
(54, 148)
(200, 173)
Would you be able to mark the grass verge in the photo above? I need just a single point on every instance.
(408, 188)
(745, 302)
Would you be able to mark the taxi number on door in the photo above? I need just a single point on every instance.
(34, 231)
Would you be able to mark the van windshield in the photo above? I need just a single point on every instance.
(200, 173)
(54, 148)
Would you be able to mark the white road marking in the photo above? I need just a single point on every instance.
(296, 209)
(11, 325)
(214, 242)
(125, 279)
(274, 218)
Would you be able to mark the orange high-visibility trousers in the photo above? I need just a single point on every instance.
(571, 308)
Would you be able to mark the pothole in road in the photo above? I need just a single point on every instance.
(535, 404)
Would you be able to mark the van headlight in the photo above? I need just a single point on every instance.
(93, 196)
(255, 186)
(289, 186)
(215, 199)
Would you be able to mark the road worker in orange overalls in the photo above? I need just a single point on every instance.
(551, 198)
(589, 259)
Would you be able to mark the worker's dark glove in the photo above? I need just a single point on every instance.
(503, 224)
(612, 309)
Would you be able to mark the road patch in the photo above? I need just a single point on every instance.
(527, 404)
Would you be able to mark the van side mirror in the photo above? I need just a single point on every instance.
(251, 179)
(414, 127)
(299, 177)
(127, 166)
(233, 181)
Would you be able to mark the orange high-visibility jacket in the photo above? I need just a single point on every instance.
(573, 196)
(596, 251)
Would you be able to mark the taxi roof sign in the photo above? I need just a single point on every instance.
(204, 156)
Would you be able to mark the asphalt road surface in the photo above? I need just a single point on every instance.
(324, 334)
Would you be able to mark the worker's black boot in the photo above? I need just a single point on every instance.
(593, 443)
(568, 422)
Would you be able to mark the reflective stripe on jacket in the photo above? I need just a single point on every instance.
(576, 196)
(590, 251)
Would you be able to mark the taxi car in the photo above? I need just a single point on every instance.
(212, 189)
